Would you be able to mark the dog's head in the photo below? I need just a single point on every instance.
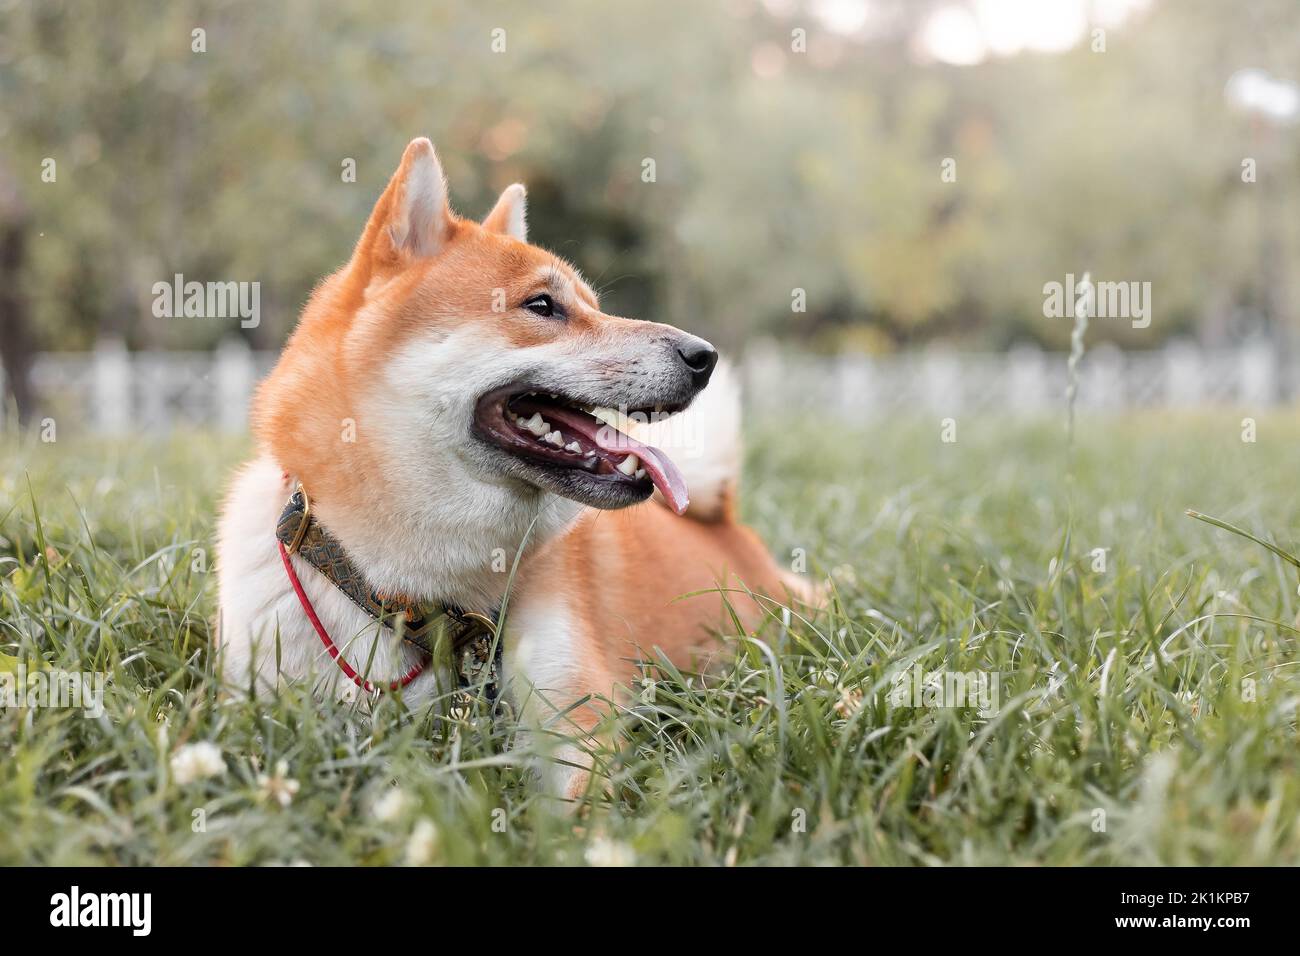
(452, 359)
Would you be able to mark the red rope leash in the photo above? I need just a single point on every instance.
(365, 685)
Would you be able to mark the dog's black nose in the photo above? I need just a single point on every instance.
(699, 357)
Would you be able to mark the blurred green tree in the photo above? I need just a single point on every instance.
(776, 168)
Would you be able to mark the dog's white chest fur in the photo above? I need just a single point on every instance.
(265, 635)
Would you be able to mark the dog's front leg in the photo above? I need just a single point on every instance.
(560, 734)
(558, 690)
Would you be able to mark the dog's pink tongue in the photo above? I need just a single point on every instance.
(657, 465)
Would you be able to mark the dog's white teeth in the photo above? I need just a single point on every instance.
(640, 473)
(629, 465)
(609, 416)
(537, 425)
(555, 438)
(573, 446)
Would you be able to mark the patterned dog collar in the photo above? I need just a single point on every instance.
(472, 636)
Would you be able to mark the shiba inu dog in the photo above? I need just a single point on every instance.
(452, 403)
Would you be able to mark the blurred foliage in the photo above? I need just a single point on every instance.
(775, 170)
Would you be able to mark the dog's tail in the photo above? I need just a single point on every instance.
(704, 442)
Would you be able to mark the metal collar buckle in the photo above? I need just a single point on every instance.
(303, 521)
(481, 619)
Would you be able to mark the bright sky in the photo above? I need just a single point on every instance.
(968, 31)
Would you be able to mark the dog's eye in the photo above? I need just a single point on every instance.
(542, 305)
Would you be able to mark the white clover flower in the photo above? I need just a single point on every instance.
(279, 787)
(604, 852)
(197, 762)
(391, 806)
(422, 846)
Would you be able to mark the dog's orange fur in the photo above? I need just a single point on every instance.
(643, 579)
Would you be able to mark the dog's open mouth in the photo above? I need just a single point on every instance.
(591, 459)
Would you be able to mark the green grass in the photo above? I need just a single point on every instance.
(1121, 690)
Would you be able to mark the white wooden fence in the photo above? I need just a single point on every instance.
(1023, 382)
(111, 390)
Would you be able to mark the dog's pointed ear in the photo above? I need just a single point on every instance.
(412, 218)
(510, 215)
